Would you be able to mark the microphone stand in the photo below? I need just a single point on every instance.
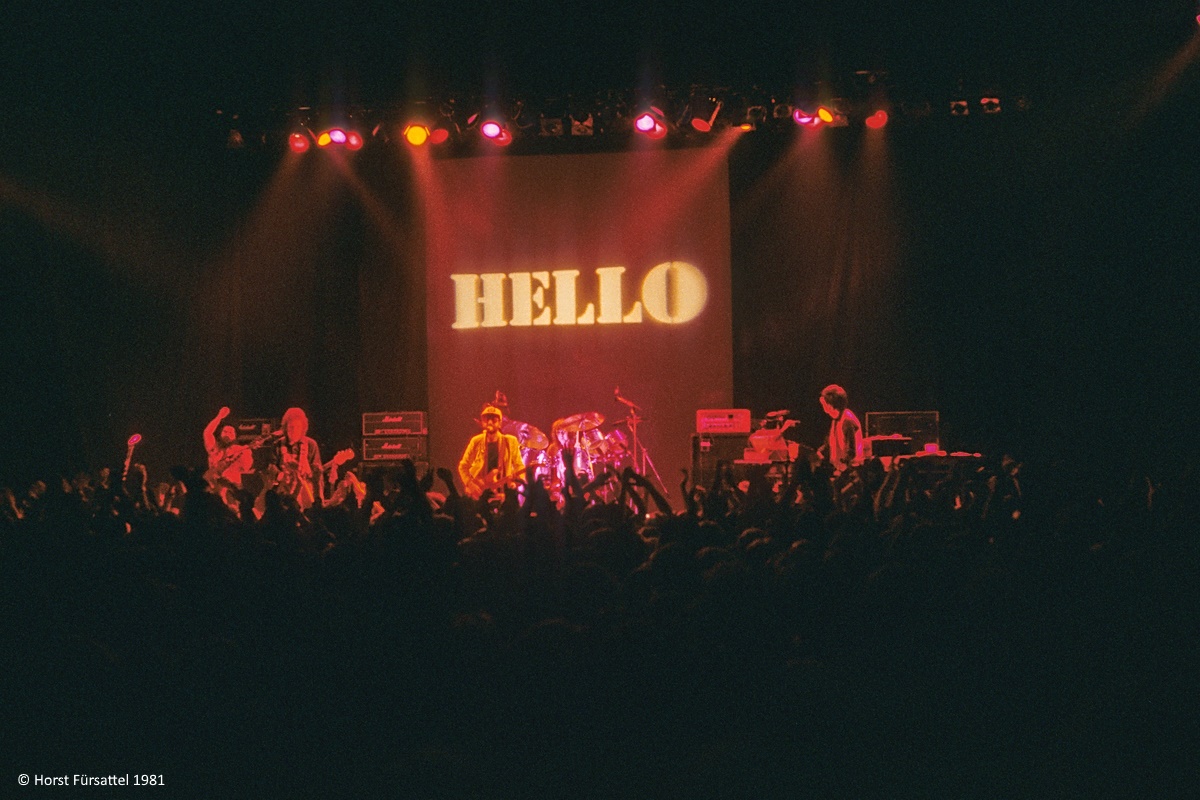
(640, 455)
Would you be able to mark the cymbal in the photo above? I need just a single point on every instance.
(534, 439)
(579, 422)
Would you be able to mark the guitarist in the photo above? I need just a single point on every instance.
(298, 461)
(492, 458)
(228, 461)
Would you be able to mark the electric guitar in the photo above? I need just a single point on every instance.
(490, 480)
(287, 480)
(216, 469)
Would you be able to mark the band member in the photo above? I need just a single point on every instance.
(228, 461)
(843, 447)
(492, 458)
(298, 461)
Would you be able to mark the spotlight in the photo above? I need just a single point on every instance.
(802, 117)
(990, 105)
(825, 114)
(416, 135)
(298, 142)
(583, 124)
(704, 112)
(550, 126)
(439, 135)
(491, 129)
(324, 139)
(959, 108)
(877, 120)
(354, 140)
(337, 136)
(651, 123)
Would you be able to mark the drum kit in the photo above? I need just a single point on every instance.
(595, 449)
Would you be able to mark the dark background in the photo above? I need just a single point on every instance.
(1034, 281)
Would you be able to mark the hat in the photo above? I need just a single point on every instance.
(490, 411)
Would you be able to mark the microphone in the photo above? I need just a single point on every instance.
(622, 400)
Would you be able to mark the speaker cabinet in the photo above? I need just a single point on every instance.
(710, 448)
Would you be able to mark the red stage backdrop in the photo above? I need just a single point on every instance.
(556, 279)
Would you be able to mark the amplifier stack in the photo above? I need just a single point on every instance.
(392, 436)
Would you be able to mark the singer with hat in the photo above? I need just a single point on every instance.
(492, 458)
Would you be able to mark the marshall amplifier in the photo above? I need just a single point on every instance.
(395, 448)
(394, 423)
(250, 429)
(723, 420)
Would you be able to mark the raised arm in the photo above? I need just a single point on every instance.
(210, 430)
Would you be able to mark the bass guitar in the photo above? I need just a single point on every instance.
(490, 480)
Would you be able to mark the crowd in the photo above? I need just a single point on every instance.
(947, 626)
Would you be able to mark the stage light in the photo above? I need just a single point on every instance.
(337, 136)
(354, 140)
(959, 108)
(824, 114)
(491, 129)
(990, 105)
(802, 117)
(877, 120)
(298, 142)
(324, 139)
(438, 135)
(704, 112)
(651, 122)
(416, 135)
(504, 138)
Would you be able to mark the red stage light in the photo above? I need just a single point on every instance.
(337, 136)
(438, 135)
(491, 129)
(704, 113)
(659, 131)
(877, 120)
(504, 138)
(298, 143)
(354, 141)
(137, 437)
